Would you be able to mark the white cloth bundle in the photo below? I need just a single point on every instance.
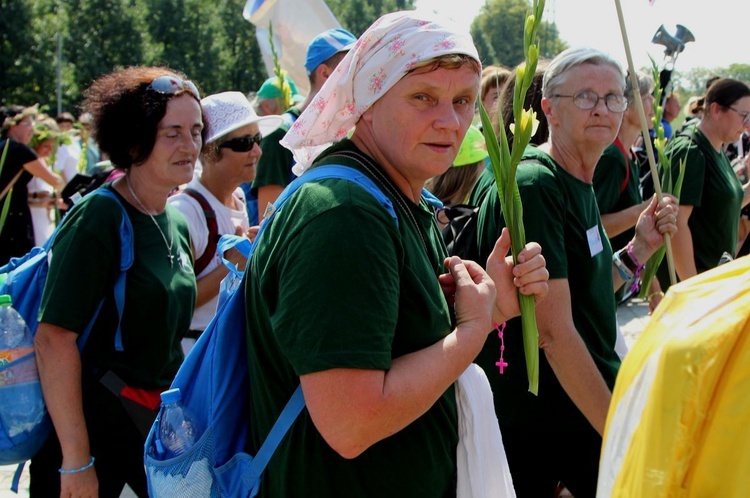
(483, 470)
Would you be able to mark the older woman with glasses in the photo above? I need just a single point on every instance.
(712, 195)
(556, 436)
(103, 400)
(616, 178)
(214, 203)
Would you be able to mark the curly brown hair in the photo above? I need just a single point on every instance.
(126, 111)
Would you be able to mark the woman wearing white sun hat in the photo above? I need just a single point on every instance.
(229, 158)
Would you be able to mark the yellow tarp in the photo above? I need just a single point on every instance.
(679, 423)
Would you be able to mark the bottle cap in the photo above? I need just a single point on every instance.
(5, 300)
(171, 396)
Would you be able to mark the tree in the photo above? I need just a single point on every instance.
(16, 46)
(498, 33)
(104, 35)
(693, 82)
(739, 72)
(357, 15)
(241, 63)
(184, 35)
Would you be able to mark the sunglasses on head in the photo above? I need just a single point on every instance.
(242, 144)
(172, 84)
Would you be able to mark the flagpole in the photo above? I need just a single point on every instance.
(646, 141)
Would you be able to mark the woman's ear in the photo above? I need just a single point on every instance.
(547, 109)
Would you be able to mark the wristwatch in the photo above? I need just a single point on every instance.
(622, 262)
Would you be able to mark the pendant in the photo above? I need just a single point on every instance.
(170, 256)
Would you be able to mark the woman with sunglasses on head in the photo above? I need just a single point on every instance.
(229, 157)
(103, 400)
(712, 196)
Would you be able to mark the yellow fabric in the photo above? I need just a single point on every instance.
(679, 422)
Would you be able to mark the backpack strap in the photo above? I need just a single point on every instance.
(287, 120)
(431, 199)
(288, 415)
(213, 230)
(625, 182)
(297, 401)
(329, 171)
(690, 133)
(127, 256)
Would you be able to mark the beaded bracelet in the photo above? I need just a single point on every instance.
(639, 267)
(80, 469)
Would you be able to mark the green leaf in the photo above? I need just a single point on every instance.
(6, 204)
(504, 167)
(6, 207)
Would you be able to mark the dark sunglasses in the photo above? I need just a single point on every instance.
(242, 144)
(172, 84)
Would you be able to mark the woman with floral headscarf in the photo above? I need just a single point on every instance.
(357, 308)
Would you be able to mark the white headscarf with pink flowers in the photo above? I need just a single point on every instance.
(391, 47)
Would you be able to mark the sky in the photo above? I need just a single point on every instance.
(720, 27)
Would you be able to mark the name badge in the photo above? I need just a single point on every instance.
(595, 240)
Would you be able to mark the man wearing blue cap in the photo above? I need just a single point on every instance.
(274, 171)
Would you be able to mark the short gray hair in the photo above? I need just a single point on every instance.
(645, 85)
(571, 58)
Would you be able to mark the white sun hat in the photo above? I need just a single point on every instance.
(225, 112)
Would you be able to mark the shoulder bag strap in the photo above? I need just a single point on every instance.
(10, 185)
(213, 230)
(625, 154)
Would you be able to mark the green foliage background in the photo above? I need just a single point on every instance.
(208, 40)
(498, 33)
(212, 43)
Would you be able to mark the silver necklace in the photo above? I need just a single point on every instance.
(169, 244)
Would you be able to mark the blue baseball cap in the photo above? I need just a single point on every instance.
(327, 44)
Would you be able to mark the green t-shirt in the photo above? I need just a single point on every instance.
(337, 284)
(608, 178)
(485, 181)
(560, 213)
(713, 189)
(275, 165)
(159, 300)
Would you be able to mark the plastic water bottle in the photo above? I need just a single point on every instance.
(21, 401)
(13, 330)
(178, 429)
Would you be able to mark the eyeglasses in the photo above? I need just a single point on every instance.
(589, 100)
(745, 115)
(172, 84)
(242, 144)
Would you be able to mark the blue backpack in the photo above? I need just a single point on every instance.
(215, 383)
(24, 282)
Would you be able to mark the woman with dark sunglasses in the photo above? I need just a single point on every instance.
(229, 158)
(103, 400)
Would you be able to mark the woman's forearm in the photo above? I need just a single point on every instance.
(59, 364)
